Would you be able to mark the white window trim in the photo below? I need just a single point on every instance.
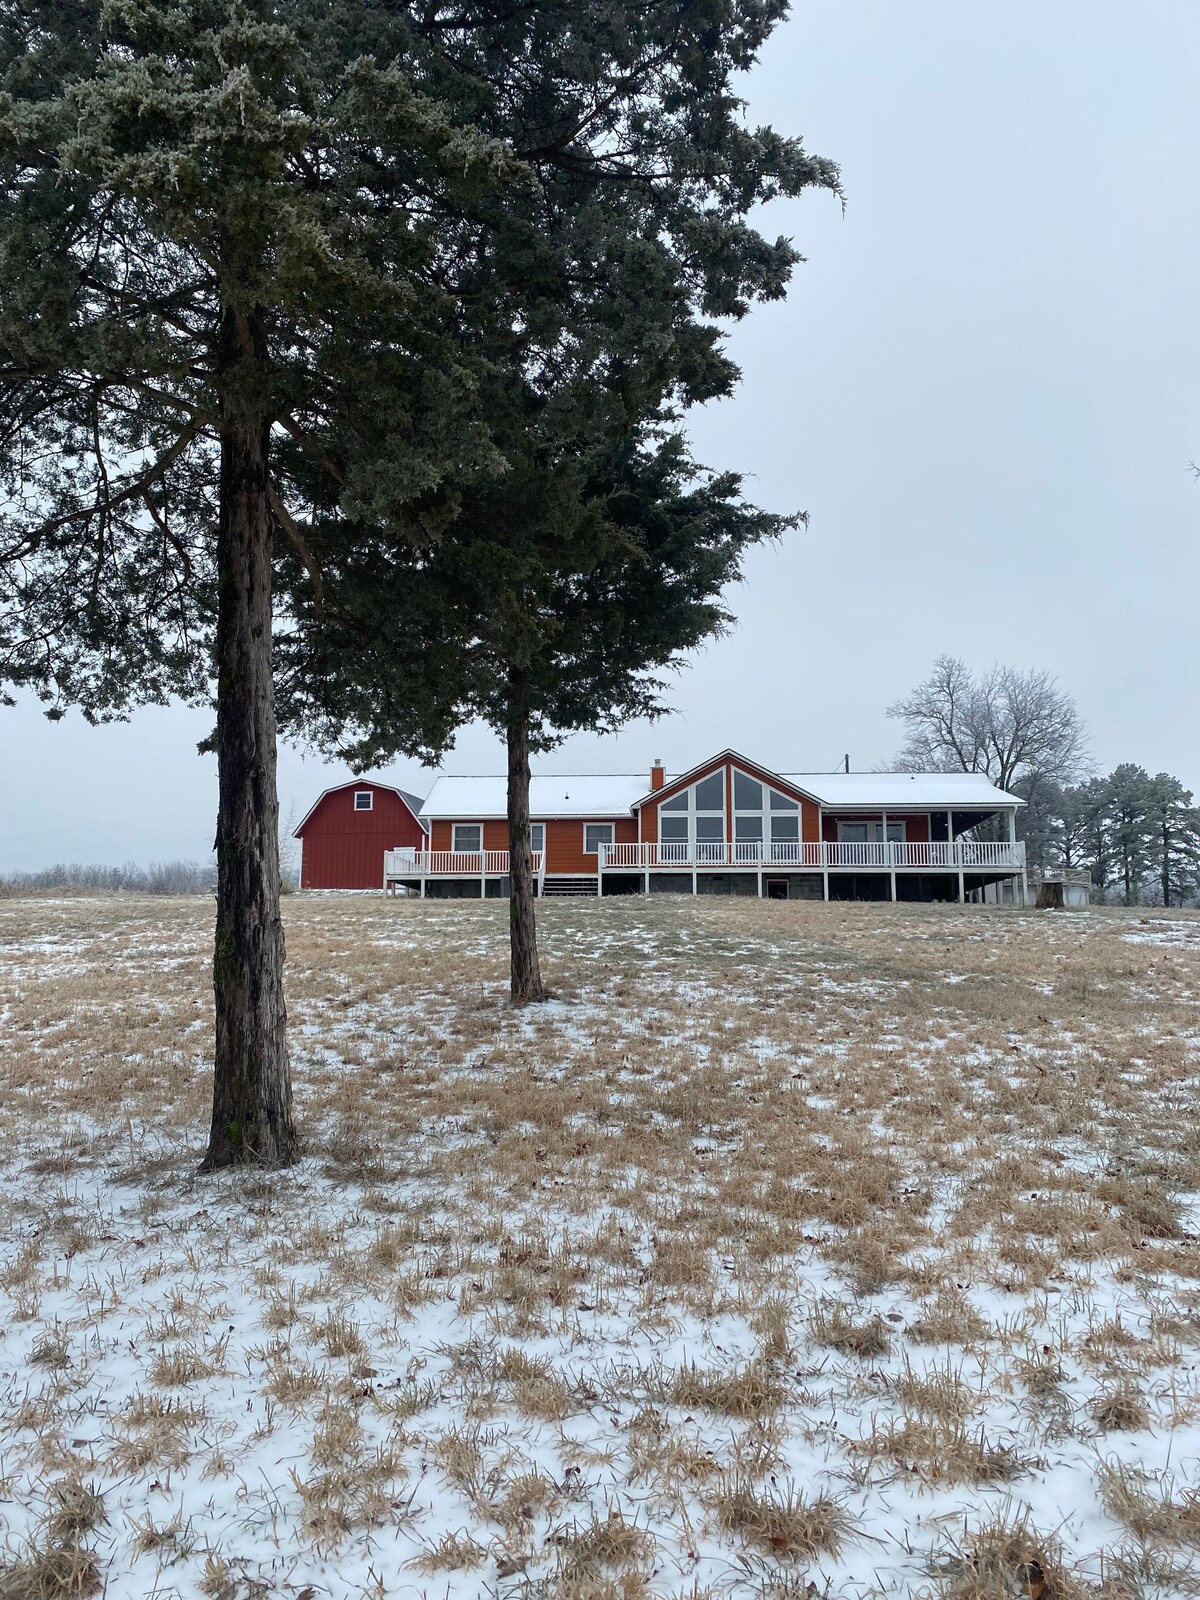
(364, 794)
(463, 849)
(536, 848)
(612, 835)
(690, 814)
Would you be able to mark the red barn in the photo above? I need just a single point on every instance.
(344, 836)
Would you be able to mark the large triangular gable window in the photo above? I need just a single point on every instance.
(691, 824)
(766, 823)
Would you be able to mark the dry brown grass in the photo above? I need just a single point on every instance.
(783, 1525)
(562, 1293)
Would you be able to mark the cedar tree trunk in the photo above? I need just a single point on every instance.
(252, 1089)
(526, 970)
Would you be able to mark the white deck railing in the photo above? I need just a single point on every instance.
(814, 854)
(450, 863)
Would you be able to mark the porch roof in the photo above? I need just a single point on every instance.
(902, 791)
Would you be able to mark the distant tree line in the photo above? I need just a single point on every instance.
(1138, 835)
(160, 877)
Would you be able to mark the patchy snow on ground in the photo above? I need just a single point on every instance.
(787, 1250)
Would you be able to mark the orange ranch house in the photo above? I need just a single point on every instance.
(728, 826)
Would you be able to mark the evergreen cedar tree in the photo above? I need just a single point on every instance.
(567, 582)
(261, 264)
(570, 584)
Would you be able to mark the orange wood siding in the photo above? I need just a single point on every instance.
(810, 821)
(564, 843)
(564, 840)
(495, 834)
(649, 822)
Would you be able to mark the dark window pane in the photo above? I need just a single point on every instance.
(747, 794)
(785, 827)
(747, 828)
(710, 793)
(673, 828)
(780, 802)
(677, 802)
(710, 827)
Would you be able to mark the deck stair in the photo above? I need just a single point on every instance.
(569, 886)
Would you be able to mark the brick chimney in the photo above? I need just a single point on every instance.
(658, 776)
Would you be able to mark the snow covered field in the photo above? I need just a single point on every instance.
(792, 1250)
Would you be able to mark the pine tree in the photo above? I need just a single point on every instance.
(1174, 826)
(1129, 831)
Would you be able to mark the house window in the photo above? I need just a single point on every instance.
(363, 799)
(747, 793)
(594, 835)
(870, 832)
(766, 824)
(537, 837)
(694, 830)
(468, 837)
(710, 793)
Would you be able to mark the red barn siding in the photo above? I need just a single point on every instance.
(344, 848)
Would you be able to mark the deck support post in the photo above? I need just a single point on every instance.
(760, 883)
(599, 871)
(646, 881)
(695, 883)
(825, 883)
(962, 888)
(889, 857)
(422, 886)
(483, 885)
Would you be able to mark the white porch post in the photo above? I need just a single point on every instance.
(888, 856)
(760, 883)
(599, 866)
(962, 888)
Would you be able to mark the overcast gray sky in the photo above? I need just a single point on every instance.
(982, 388)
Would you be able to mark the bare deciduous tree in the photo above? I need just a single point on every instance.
(1017, 727)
